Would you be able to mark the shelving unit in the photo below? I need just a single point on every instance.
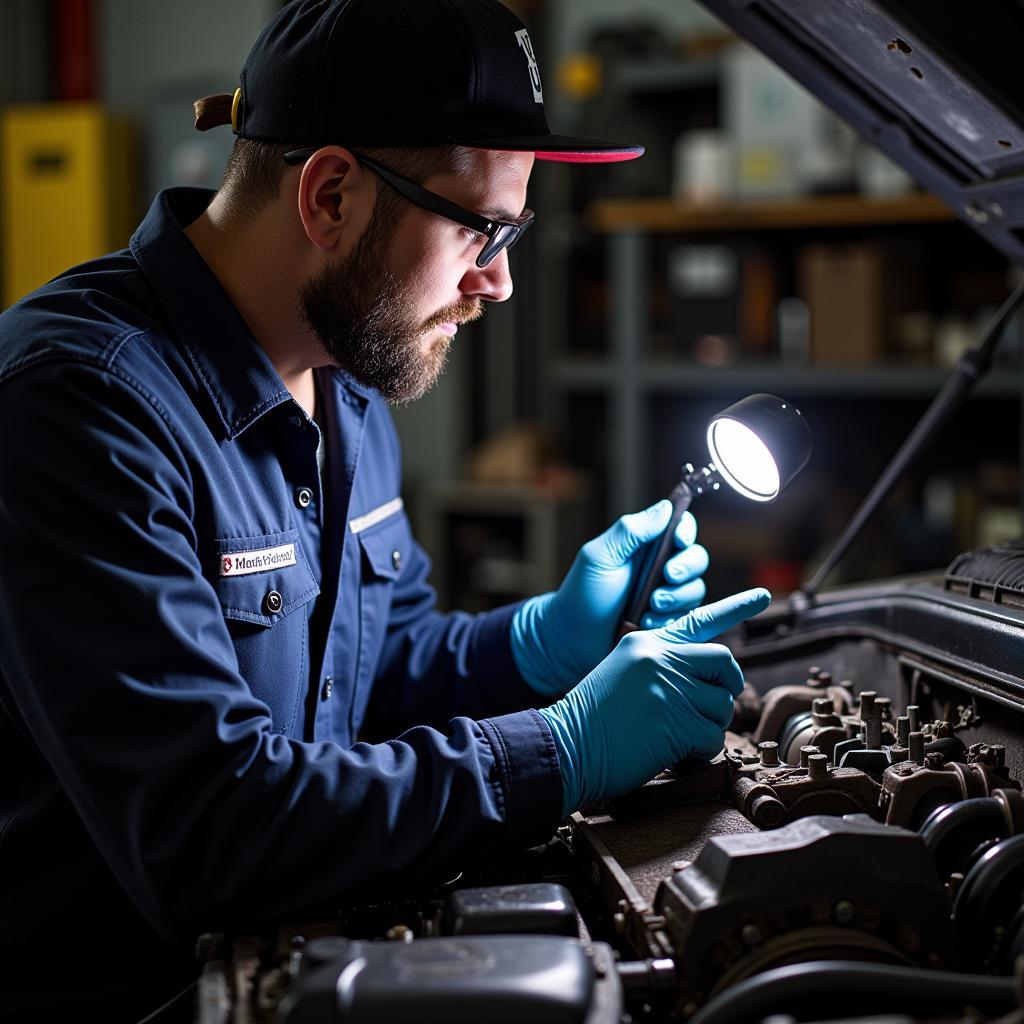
(629, 376)
(661, 376)
(493, 543)
(668, 215)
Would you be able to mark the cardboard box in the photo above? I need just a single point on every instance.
(843, 289)
(859, 297)
(787, 143)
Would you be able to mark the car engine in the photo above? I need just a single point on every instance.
(855, 853)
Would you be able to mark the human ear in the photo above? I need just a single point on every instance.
(326, 194)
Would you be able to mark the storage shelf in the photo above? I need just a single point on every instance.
(631, 373)
(583, 373)
(668, 215)
(664, 376)
(667, 75)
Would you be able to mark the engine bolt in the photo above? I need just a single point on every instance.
(822, 712)
(817, 766)
(917, 746)
(805, 753)
(769, 751)
(873, 728)
(914, 714)
(867, 700)
(902, 730)
(844, 912)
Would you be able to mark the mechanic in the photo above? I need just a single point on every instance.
(209, 590)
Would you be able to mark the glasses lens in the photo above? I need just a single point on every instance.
(503, 238)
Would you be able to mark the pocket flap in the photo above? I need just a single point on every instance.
(263, 579)
(386, 546)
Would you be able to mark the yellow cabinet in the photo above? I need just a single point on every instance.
(68, 190)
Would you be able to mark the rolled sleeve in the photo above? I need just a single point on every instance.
(529, 779)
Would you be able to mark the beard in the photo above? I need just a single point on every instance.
(358, 309)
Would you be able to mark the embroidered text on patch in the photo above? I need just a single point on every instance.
(241, 563)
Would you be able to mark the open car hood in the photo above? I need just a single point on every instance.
(936, 85)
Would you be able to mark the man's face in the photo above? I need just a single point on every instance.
(388, 309)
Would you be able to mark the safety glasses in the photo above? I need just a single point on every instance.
(500, 234)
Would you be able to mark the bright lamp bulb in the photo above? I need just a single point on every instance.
(743, 459)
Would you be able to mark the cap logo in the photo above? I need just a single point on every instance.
(523, 39)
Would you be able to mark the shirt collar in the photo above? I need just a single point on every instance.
(234, 369)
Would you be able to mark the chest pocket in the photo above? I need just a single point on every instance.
(386, 548)
(267, 613)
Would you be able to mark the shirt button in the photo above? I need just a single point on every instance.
(303, 496)
(272, 603)
(396, 560)
(328, 688)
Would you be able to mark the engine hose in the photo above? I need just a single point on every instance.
(988, 898)
(820, 988)
(954, 832)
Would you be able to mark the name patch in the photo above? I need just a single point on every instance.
(241, 563)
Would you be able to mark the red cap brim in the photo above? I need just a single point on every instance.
(567, 149)
(608, 156)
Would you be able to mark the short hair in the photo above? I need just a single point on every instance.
(255, 169)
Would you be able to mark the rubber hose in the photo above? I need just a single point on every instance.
(820, 987)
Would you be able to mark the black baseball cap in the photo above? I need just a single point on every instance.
(400, 73)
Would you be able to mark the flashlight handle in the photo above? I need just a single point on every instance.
(652, 569)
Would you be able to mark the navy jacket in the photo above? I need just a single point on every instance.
(193, 633)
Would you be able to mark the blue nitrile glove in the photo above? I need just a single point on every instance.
(558, 638)
(660, 696)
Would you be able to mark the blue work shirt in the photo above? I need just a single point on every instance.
(193, 633)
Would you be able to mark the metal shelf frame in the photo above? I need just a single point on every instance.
(629, 377)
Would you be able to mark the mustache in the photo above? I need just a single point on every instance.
(461, 313)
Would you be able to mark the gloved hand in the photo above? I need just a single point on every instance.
(660, 696)
(559, 637)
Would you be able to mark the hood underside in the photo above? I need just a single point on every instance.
(936, 86)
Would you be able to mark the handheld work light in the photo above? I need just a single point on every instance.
(757, 446)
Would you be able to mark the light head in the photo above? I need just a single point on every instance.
(758, 445)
